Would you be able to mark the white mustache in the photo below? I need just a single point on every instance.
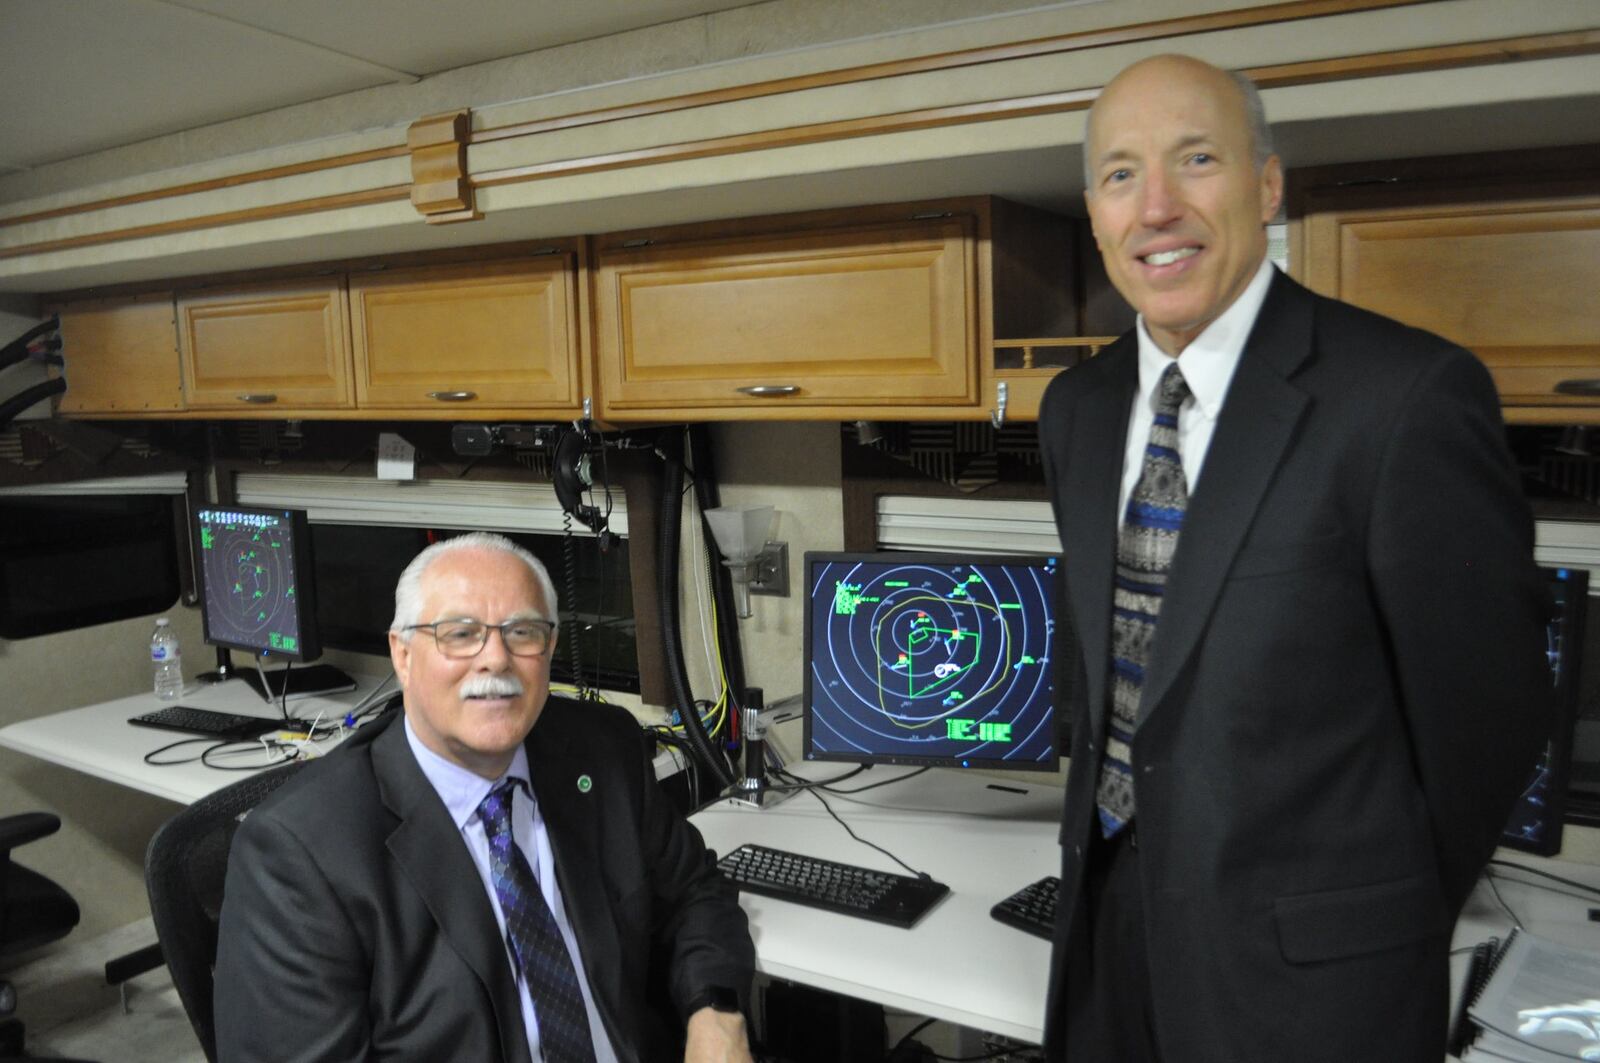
(491, 686)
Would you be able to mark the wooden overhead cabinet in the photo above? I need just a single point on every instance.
(470, 339)
(280, 349)
(848, 314)
(1507, 268)
(121, 356)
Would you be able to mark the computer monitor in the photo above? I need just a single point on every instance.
(930, 660)
(1535, 823)
(253, 569)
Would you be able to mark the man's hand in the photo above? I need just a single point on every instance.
(717, 1037)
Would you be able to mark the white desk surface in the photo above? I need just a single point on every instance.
(958, 964)
(1545, 908)
(99, 741)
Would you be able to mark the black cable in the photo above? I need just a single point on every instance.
(174, 745)
(1496, 891)
(796, 784)
(569, 550)
(898, 1045)
(871, 845)
(27, 397)
(667, 558)
(1584, 886)
(995, 1054)
(708, 496)
(875, 785)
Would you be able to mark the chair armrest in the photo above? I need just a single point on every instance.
(26, 827)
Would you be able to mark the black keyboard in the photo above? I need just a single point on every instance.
(884, 897)
(207, 722)
(1032, 908)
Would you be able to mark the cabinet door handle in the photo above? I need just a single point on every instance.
(770, 391)
(259, 398)
(453, 396)
(1578, 387)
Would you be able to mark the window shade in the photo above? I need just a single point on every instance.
(476, 505)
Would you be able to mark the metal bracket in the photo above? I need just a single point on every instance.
(997, 416)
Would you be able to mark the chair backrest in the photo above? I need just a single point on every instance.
(184, 869)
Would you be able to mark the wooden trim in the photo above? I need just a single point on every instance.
(441, 188)
(1512, 49)
(1515, 49)
(1293, 10)
(811, 133)
(1435, 57)
(365, 198)
(294, 169)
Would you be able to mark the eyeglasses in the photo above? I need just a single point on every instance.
(467, 638)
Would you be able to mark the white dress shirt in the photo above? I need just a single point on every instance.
(462, 792)
(1207, 364)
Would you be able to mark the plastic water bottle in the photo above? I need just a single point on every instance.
(167, 661)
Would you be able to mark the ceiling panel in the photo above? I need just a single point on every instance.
(430, 36)
(80, 76)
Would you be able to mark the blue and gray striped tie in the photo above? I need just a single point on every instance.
(1145, 546)
(535, 939)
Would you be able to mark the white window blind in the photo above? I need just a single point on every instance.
(1569, 544)
(475, 505)
(971, 525)
(161, 483)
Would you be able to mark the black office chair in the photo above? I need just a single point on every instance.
(33, 911)
(184, 869)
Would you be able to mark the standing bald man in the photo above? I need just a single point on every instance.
(1300, 570)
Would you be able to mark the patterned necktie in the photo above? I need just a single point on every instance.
(1145, 547)
(535, 940)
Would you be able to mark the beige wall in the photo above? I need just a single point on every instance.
(98, 855)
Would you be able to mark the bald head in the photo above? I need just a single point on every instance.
(1175, 73)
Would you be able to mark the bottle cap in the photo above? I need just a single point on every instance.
(162, 622)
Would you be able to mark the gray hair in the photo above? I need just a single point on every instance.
(408, 590)
(1261, 146)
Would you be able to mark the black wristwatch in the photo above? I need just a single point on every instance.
(715, 997)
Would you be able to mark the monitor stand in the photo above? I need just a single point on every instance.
(303, 682)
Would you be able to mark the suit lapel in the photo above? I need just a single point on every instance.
(427, 848)
(1089, 519)
(574, 824)
(1258, 421)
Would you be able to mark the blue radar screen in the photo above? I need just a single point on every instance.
(249, 573)
(947, 661)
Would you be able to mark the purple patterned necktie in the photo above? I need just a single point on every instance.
(1145, 546)
(535, 940)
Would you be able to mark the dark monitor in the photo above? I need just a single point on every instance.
(1536, 819)
(253, 567)
(930, 660)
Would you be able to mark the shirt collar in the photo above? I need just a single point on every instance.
(461, 791)
(1209, 361)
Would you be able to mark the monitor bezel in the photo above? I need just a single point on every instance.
(1050, 763)
(1564, 699)
(305, 586)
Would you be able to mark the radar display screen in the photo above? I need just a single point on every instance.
(930, 659)
(251, 565)
(1536, 818)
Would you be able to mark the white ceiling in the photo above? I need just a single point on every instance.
(83, 75)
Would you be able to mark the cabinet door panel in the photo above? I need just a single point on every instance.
(876, 315)
(121, 356)
(1513, 282)
(498, 335)
(283, 346)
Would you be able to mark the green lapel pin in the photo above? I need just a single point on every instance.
(585, 784)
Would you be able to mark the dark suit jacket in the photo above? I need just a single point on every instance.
(355, 925)
(1346, 690)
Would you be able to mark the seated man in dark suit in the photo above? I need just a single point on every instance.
(458, 883)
